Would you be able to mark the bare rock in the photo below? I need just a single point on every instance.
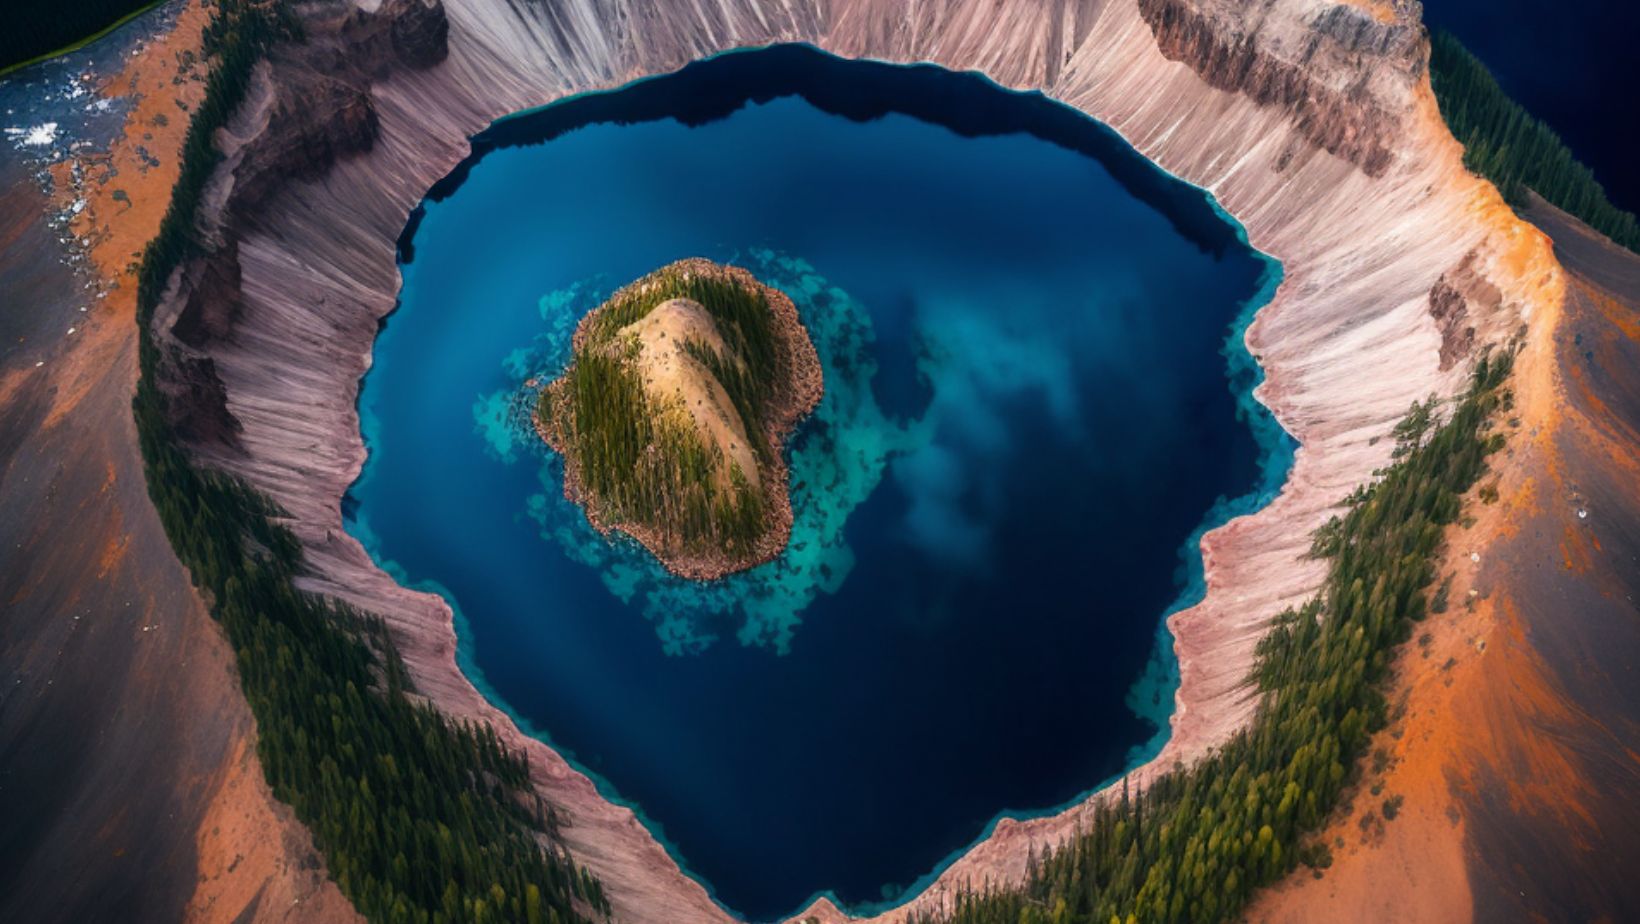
(1323, 75)
(421, 33)
(1458, 300)
(317, 121)
(196, 406)
(212, 300)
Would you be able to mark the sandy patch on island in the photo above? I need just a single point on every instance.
(674, 378)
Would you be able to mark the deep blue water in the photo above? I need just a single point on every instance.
(1571, 64)
(1035, 397)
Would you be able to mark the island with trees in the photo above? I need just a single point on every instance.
(673, 415)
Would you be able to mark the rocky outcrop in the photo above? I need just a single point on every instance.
(1311, 122)
(1326, 70)
(315, 120)
(368, 41)
(211, 301)
(310, 107)
(315, 107)
(196, 401)
(420, 32)
(1460, 299)
(1447, 307)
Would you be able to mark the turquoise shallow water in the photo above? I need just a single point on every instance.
(1035, 399)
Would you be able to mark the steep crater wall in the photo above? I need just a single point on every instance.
(1312, 123)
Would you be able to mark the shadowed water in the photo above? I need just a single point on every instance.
(1035, 398)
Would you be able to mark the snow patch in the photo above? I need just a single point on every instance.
(36, 136)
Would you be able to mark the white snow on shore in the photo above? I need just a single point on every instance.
(34, 136)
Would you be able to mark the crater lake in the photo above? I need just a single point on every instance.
(1036, 398)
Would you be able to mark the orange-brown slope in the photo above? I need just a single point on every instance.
(1516, 754)
(128, 778)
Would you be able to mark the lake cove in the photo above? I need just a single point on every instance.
(1035, 398)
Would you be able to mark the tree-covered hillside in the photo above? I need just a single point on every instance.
(640, 461)
(421, 819)
(1195, 845)
(1507, 145)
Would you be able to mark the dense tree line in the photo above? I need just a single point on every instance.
(643, 463)
(238, 35)
(421, 819)
(1505, 144)
(740, 313)
(1200, 840)
(35, 28)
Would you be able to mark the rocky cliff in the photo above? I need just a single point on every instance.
(311, 107)
(1311, 122)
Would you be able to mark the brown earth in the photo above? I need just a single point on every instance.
(128, 779)
(1515, 743)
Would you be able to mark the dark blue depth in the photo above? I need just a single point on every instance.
(1047, 314)
(1571, 65)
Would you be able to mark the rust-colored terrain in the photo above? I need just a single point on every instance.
(1514, 748)
(129, 786)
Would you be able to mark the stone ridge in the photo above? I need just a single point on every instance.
(309, 108)
(1351, 121)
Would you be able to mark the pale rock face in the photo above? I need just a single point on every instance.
(1312, 123)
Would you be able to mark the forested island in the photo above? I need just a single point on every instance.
(673, 414)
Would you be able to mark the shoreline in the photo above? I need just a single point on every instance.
(1344, 317)
(81, 43)
(1190, 594)
(804, 388)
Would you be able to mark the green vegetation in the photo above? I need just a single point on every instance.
(236, 38)
(1195, 846)
(421, 819)
(674, 488)
(741, 313)
(641, 464)
(1505, 144)
(1392, 807)
(37, 30)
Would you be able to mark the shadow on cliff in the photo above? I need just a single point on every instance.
(712, 89)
